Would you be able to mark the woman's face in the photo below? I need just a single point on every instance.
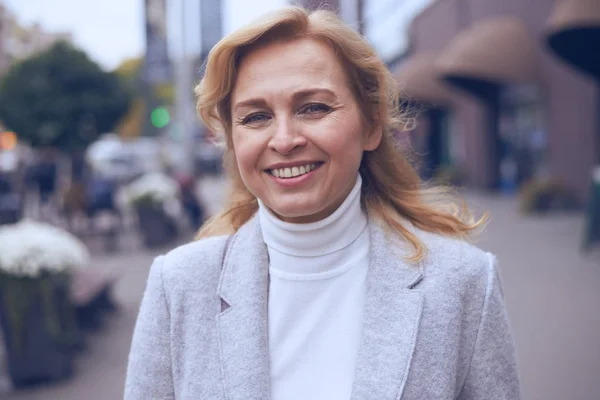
(298, 132)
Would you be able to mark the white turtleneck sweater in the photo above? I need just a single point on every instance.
(316, 300)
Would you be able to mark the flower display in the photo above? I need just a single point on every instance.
(29, 248)
(153, 187)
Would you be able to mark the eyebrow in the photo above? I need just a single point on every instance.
(301, 94)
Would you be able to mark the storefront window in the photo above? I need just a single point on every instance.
(522, 134)
(439, 143)
(453, 138)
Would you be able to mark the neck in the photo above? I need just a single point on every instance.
(328, 235)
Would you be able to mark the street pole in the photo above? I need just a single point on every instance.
(184, 98)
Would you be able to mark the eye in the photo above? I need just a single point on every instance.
(254, 118)
(315, 108)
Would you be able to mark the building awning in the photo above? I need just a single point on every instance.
(494, 51)
(573, 32)
(419, 81)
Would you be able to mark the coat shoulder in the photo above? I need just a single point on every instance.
(455, 259)
(198, 262)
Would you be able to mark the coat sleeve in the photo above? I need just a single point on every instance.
(492, 373)
(149, 373)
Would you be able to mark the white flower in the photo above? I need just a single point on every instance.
(29, 248)
(159, 187)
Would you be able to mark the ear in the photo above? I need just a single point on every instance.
(374, 134)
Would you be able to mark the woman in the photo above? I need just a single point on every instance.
(330, 274)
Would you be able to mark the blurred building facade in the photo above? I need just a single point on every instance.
(498, 103)
(18, 41)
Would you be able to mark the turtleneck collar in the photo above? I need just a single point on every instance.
(314, 239)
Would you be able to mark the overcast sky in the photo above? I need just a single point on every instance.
(112, 30)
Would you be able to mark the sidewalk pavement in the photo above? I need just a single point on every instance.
(552, 293)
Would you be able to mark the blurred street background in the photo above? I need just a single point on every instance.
(104, 165)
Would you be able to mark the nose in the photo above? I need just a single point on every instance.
(286, 137)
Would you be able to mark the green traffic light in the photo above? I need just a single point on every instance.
(160, 117)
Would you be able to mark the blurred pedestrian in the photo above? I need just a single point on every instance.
(43, 175)
(189, 200)
(101, 200)
(74, 203)
(101, 194)
(332, 273)
(11, 201)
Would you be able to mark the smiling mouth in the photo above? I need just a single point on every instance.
(293, 172)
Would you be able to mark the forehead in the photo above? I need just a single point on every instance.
(289, 65)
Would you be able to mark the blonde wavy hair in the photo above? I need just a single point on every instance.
(392, 191)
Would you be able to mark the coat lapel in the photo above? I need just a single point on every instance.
(243, 333)
(391, 319)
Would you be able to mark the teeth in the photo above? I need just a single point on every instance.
(292, 172)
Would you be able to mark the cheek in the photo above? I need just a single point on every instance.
(247, 153)
(344, 139)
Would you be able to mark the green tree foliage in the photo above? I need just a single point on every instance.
(61, 98)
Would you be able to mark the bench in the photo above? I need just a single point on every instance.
(91, 295)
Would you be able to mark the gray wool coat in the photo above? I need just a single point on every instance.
(433, 331)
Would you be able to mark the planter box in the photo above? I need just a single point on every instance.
(156, 227)
(41, 348)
